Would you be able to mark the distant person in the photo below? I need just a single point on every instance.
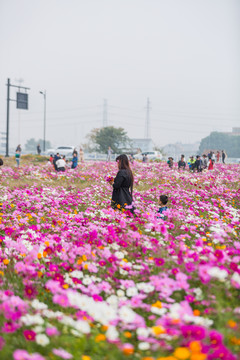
(145, 158)
(61, 164)
(183, 158)
(213, 157)
(1, 162)
(204, 162)
(55, 159)
(75, 152)
(19, 149)
(162, 202)
(210, 164)
(109, 154)
(170, 162)
(81, 155)
(17, 157)
(39, 149)
(51, 158)
(121, 196)
(209, 155)
(182, 163)
(198, 164)
(224, 155)
(74, 161)
(218, 156)
(191, 162)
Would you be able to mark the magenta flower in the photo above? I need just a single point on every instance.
(159, 261)
(216, 338)
(9, 327)
(102, 263)
(29, 335)
(30, 292)
(193, 332)
(218, 254)
(190, 298)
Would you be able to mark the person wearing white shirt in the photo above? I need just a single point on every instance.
(61, 164)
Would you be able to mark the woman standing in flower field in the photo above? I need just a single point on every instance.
(121, 196)
(17, 157)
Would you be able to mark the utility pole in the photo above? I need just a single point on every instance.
(44, 93)
(22, 103)
(7, 130)
(147, 123)
(105, 113)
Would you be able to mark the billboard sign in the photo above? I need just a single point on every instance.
(22, 101)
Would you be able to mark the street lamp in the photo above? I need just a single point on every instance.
(44, 120)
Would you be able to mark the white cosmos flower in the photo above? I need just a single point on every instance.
(82, 326)
(36, 304)
(87, 281)
(42, 339)
(218, 273)
(112, 333)
(112, 300)
(143, 332)
(144, 346)
(157, 311)
(119, 255)
(77, 274)
(132, 291)
(236, 278)
(126, 314)
(120, 293)
(38, 329)
(32, 320)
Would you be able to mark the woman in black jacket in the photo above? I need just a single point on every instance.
(121, 196)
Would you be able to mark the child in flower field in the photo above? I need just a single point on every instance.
(163, 200)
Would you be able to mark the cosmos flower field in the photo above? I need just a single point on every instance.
(81, 281)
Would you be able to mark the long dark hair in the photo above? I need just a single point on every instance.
(123, 164)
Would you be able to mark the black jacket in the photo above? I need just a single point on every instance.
(121, 194)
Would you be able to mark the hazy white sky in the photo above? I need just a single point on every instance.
(182, 54)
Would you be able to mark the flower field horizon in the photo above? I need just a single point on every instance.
(79, 280)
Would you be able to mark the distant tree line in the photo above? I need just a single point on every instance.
(31, 145)
(221, 141)
(101, 139)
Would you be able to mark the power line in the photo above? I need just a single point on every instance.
(147, 123)
(105, 113)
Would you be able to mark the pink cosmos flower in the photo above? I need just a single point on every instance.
(9, 327)
(61, 300)
(62, 353)
(52, 331)
(24, 355)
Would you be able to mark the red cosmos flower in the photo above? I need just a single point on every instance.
(218, 254)
(175, 271)
(30, 292)
(29, 335)
(190, 298)
(159, 261)
(102, 263)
